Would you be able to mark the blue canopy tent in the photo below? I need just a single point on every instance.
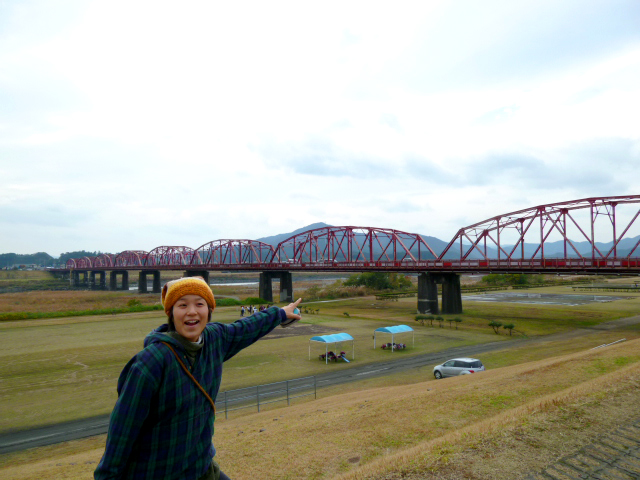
(393, 330)
(333, 338)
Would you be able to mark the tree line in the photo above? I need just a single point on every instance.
(41, 259)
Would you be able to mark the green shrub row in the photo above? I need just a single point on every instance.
(227, 302)
(77, 313)
(254, 301)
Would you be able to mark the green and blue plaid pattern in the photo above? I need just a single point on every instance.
(162, 426)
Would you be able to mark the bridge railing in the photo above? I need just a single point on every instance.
(471, 264)
(626, 264)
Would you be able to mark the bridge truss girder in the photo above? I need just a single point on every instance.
(538, 223)
(169, 256)
(352, 246)
(130, 258)
(233, 252)
(356, 249)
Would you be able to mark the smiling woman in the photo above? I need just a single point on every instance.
(190, 315)
(189, 303)
(162, 423)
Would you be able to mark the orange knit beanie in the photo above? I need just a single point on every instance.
(176, 289)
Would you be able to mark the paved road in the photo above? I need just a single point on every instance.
(87, 427)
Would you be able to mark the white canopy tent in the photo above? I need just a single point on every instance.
(334, 338)
(393, 331)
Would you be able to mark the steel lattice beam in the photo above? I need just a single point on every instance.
(233, 252)
(545, 220)
(130, 258)
(352, 248)
(352, 245)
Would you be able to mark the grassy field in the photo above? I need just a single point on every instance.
(17, 280)
(81, 357)
(498, 425)
(46, 361)
(49, 361)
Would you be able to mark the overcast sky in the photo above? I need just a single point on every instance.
(127, 125)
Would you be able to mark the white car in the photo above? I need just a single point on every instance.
(458, 366)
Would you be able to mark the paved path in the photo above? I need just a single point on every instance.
(615, 456)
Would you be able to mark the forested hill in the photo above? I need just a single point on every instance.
(41, 259)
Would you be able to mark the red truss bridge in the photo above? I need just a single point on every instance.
(512, 242)
(599, 235)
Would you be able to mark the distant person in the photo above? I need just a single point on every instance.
(161, 426)
(242, 311)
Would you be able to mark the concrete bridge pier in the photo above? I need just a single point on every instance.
(113, 280)
(451, 293)
(265, 289)
(157, 287)
(286, 287)
(198, 273)
(102, 280)
(142, 281)
(77, 281)
(428, 293)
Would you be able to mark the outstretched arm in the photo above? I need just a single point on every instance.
(233, 337)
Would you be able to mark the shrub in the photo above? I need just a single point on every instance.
(254, 301)
(333, 291)
(379, 281)
(312, 293)
(228, 302)
(495, 325)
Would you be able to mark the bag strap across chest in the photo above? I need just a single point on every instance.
(186, 370)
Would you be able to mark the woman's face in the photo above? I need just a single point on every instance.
(190, 315)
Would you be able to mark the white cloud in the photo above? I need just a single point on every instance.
(129, 125)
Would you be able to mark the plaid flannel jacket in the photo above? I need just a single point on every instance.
(162, 425)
